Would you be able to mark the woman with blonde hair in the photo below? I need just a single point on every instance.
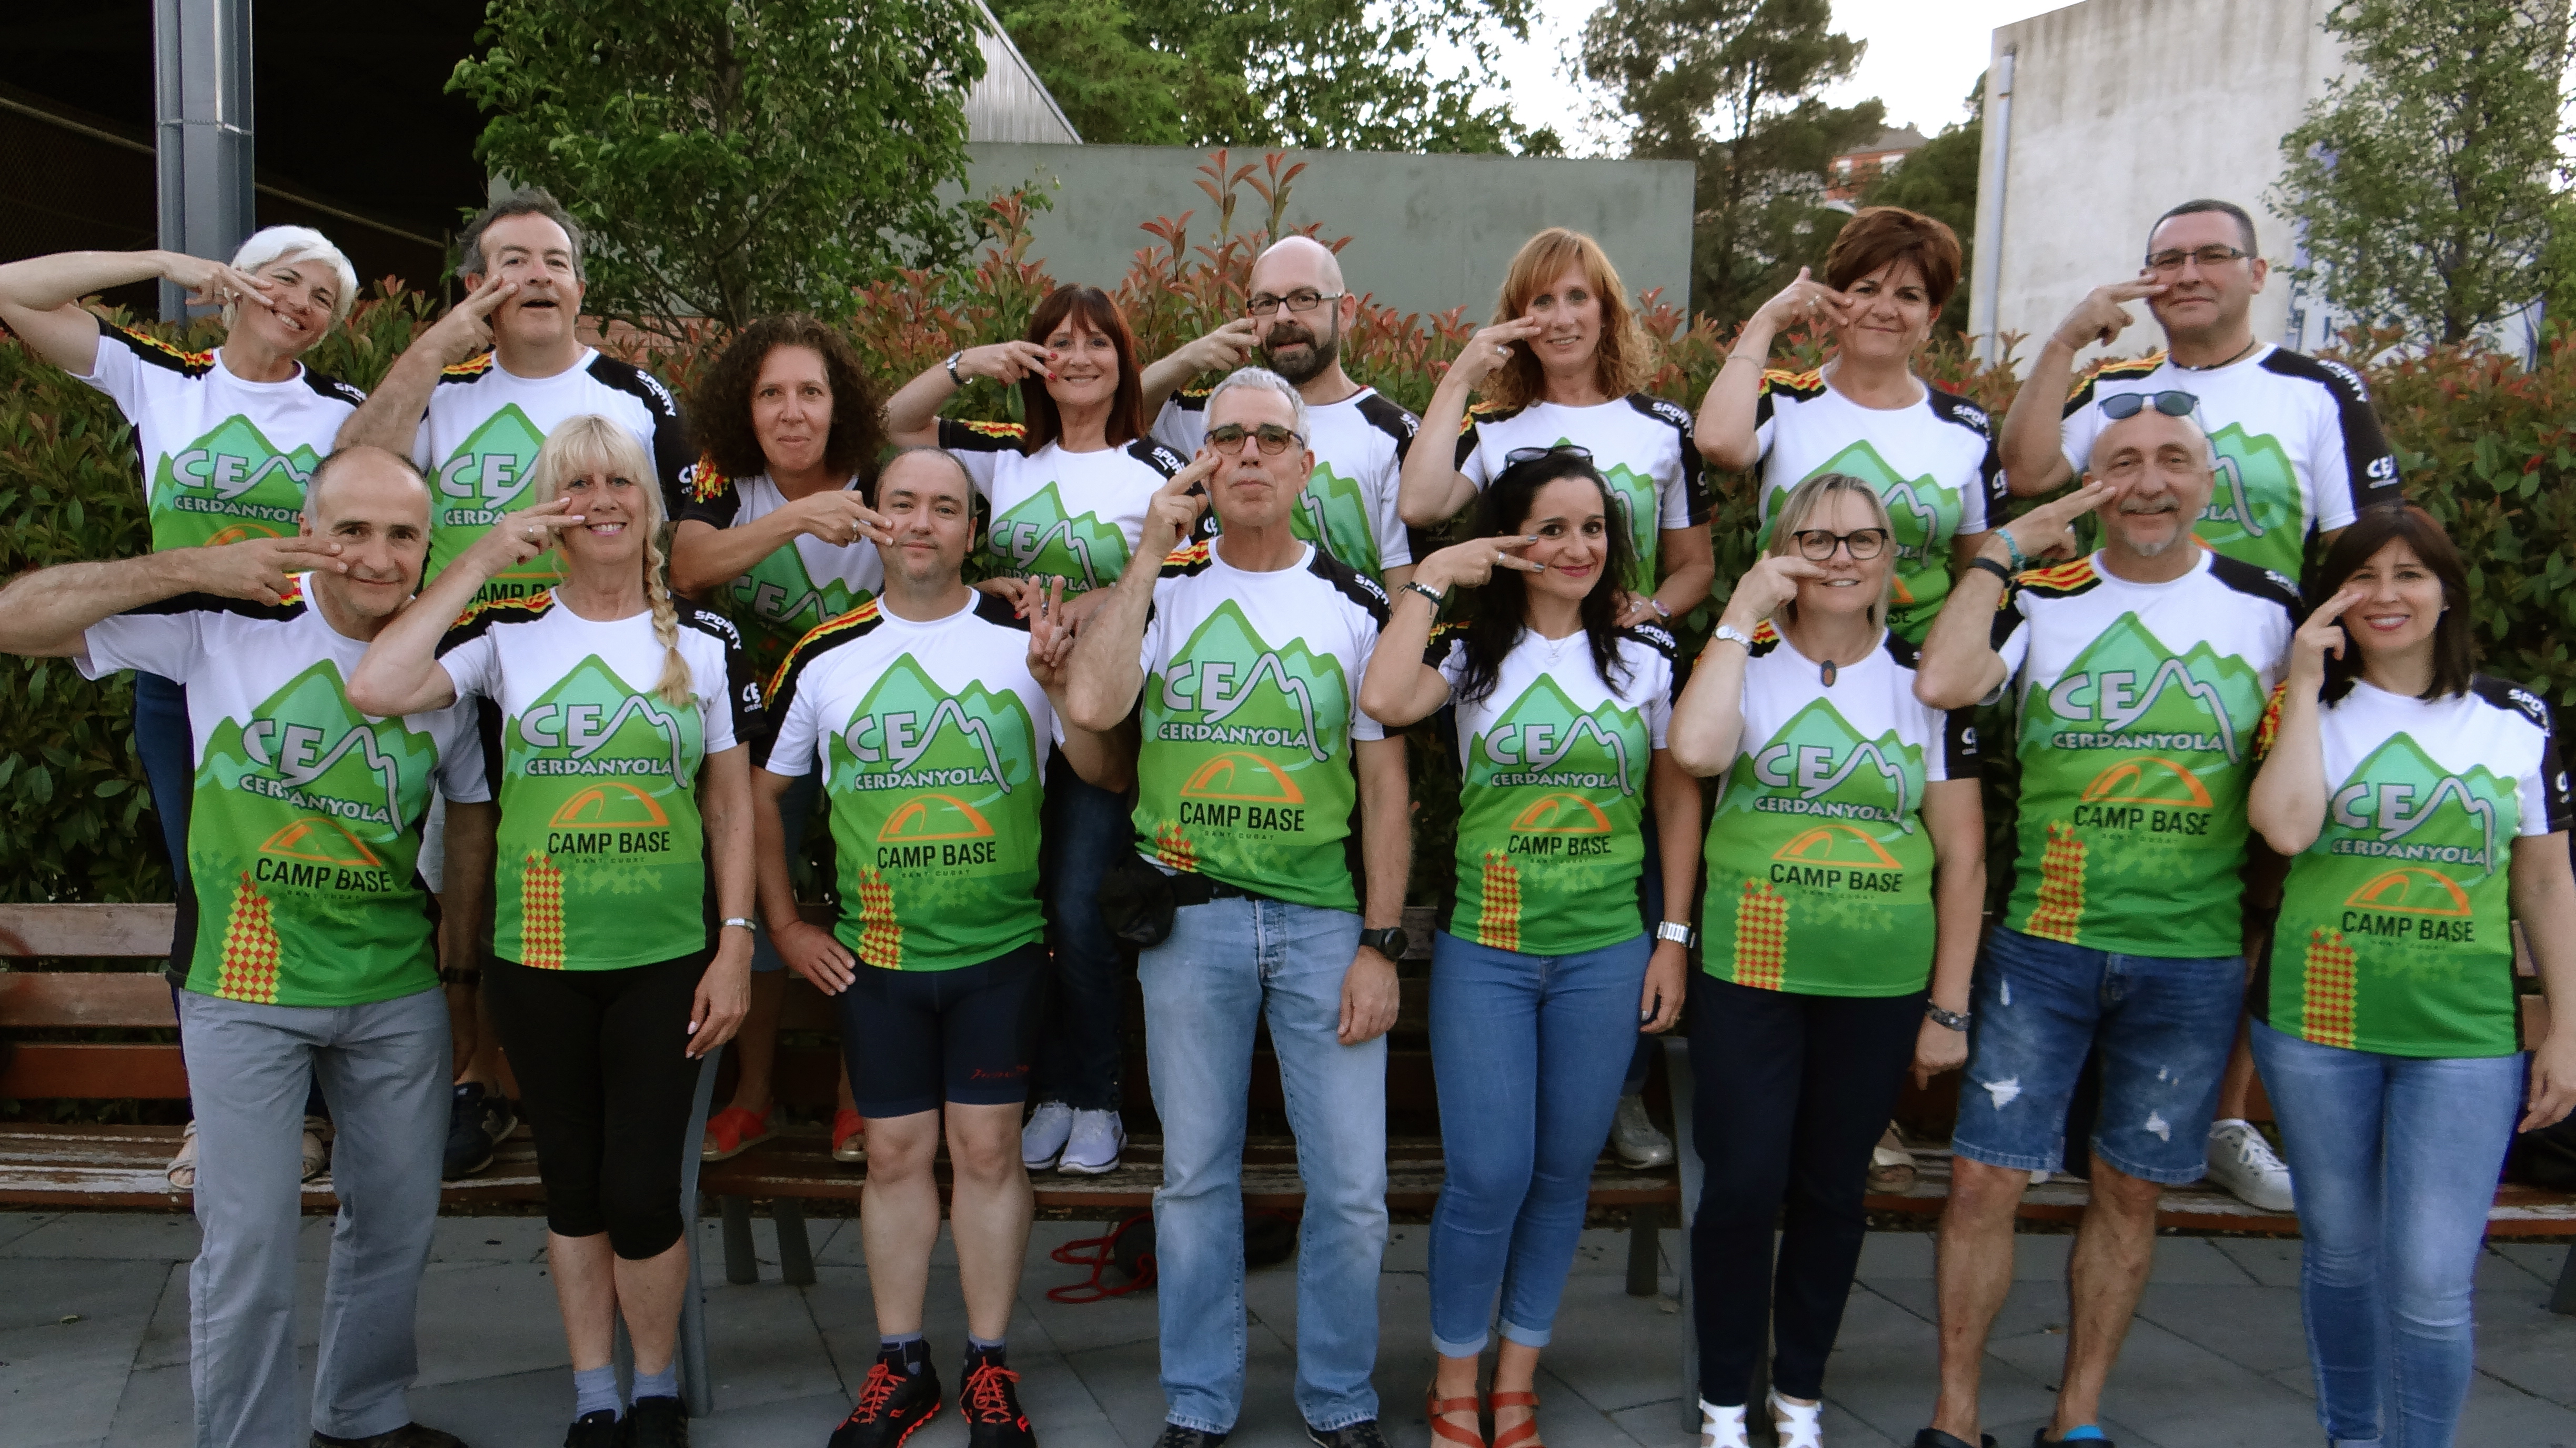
(1846, 874)
(622, 920)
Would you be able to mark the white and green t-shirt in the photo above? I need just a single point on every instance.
(2139, 703)
(223, 459)
(1819, 863)
(1641, 444)
(1551, 812)
(933, 741)
(479, 439)
(1934, 464)
(1074, 515)
(2396, 925)
(1251, 703)
(1349, 503)
(796, 588)
(602, 856)
(2299, 448)
(304, 831)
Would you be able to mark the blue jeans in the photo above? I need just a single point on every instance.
(1527, 1051)
(1229, 965)
(169, 755)
(1086, 828)
(2162, 1025)
(2396, 1160)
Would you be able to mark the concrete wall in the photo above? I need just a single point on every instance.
(2120, 109)
(1428, 232)
(1010, 103)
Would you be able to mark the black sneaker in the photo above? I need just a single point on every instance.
(1362, 1434)
(891, 1404)
(469, 1146)
(1176, 1436)
(657, 1423)
(409, 1435)
(596, 1430)
(991, 1402)
(500, 1117)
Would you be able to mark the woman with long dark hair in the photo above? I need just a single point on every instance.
(2424, 808)
(1069, 486)
(1846, 878)
(1546, 974)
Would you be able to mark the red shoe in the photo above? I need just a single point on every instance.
(849, 1136)
(731, 1132)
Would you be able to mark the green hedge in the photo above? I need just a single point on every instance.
(2484, 443)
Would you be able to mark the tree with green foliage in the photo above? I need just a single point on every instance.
(1732, 85)
(734, 158)
(2423, 182)
(1323, 74)
(1940, 181)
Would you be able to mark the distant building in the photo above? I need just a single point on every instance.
(1010, 103)
(1850, 173)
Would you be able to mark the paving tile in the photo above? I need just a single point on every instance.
(785, 1421)
(1673, 1423)
(528, 1407)
(156, 1410)
(2544, 1260)
(42, 1291)
(2497, 1413)
(14, 1225)
(2170, 1390)
(2269, 1261)
(132, 1236)
(2257, 1328)
(762, 1347)
(2196, 1262)
(1899, 1254)
(490, 1320)
(60, 1381)
(165, 1340)
(2524, 1345)
(459, 1241)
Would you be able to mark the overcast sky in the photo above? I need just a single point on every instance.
(1922, 58)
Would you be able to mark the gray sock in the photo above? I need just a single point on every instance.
(664, 1384)
(594, 1389)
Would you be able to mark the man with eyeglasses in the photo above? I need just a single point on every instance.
(2299, 453)
(1255, 771)
(2140, 675)
(1294, 318)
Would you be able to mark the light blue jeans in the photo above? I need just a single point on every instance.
(2395, 1158)
(1228, 965)
(1528, 1052)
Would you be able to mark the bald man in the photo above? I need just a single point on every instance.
(306, 951)
(1296, 314)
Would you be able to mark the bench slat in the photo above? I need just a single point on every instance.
(124, 932)
(42, 1069)
(30, 999)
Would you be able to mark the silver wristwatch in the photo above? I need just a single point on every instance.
(1732, 634)
(953, 379)
(1678, 933)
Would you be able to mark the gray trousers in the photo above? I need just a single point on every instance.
(384, 1069)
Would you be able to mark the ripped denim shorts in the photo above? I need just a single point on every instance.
(2163, 1027)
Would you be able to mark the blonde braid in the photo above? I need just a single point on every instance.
(675, 685)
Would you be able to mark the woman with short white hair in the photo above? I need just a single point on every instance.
(228, 439)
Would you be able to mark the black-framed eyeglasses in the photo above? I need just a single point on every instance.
(1227, 437)
(1520, 455)
(1816, 545)
(1300, 301)
(2129, 404)
(2210, 257)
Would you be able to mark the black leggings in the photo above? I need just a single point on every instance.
(607, 1090)
(1792, 1092)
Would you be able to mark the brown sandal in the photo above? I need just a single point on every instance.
(1522, 1432)
(1434, 1407)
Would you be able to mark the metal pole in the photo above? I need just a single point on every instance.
(1984, 300)
(202, 93)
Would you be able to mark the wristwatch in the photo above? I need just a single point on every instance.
(1955, 1020)
(1678, 933)
(1732, 634)
(1657, 605)
(1389, 942)
(953, 378)
(739, 922)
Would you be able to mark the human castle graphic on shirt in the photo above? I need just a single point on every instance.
(308, 803)
(1252, 768)
(938, 794)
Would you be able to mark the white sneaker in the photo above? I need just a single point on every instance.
(1042, 1140)
(1634, 1137)
(1793, 1425)
(1093, 1146)
(2243, 1162)
(1722, 1427)
(316, 1152)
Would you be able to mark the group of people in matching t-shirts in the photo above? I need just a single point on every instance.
(467, 779)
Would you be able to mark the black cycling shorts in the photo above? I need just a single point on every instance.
(915, 1038)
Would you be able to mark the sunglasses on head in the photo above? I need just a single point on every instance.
(1520, 455)
(2129, 404)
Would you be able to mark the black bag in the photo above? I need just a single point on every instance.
(1136, 901)
(2545, 1158)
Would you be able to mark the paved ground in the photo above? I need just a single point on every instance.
(93, 1346)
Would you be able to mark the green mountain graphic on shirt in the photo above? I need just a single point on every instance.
(1819, 868)
(301, 839)
(486, 477)
(935, 805)
(1035, 539)
(2395, 931)
(1924, 514)
(601, 847)
(1331, 513)
(779, 603)
(1548, 839)
(1245, 773)
(2135, 765)
(2256, 513)
(231, 484)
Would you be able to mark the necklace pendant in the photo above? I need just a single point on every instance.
(1826, 673)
